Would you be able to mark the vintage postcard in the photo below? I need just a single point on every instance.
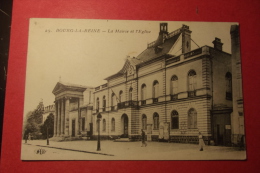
(133, 90)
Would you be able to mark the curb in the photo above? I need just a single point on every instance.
(90, 152)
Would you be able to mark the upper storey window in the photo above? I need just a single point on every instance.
(131, 94)
(155, 89)
(143, 92)
(97, 104)
(113, 99)
(228, 86)
(121, 96)
(192, 83)
(104, 103)
(174, 85)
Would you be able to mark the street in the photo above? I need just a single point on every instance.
(86, 150)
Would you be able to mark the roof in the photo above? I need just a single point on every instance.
(74, 85)
(62, 86)
(149, 53)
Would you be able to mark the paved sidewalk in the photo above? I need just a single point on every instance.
(133, 151)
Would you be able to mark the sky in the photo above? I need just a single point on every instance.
(85, 52)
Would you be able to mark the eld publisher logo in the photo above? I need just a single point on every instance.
(40, 151)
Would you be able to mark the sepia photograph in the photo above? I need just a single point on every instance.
(133, 90)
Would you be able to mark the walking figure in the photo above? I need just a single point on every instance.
(26, 137)
(201, 142)
(29, 137)
(143, 138)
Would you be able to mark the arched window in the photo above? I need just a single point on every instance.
(97, 104)
(121, 96)
(104, 125)
(155, 89)
(192, 119)
(144, 122)
(174, 120)
(143, 92)
(155, 121)
(104, 103)
(228, 86)
(174, 85)
(113, 125)
(192, 83)
(113, 99)
(131, 94)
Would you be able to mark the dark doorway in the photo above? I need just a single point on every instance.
(73, 128)
(222, 129)
(90, 129)
(125, 126)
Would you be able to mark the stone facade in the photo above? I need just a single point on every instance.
(186, 90)
(171, 94)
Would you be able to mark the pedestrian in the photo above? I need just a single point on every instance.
(143, 138)
(201, 142)
(26, 137)
(29, 137)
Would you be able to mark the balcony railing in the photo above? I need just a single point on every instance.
(174, 97)
(191, 93)
(121, 105)
(143, 102)
(112, 108)
(127, 104)
(155, 100)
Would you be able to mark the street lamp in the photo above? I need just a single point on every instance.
(99, 116)
(47, 136)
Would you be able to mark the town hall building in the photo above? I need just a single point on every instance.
(171, 93)
(168, 90)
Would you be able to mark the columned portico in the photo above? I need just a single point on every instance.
(68, 99)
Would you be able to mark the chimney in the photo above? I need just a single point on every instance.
(163, 28)
(217, 44)
(162, 34)
(186, 38)
(161, 38)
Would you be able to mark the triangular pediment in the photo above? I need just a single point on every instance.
(58, 87)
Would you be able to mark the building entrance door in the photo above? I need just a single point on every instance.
(125, 126)
(73, 128)
(221, 129)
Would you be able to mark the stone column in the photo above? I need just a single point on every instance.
(67, 106)
(62, 117)
(58, 122)
(55, 120)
